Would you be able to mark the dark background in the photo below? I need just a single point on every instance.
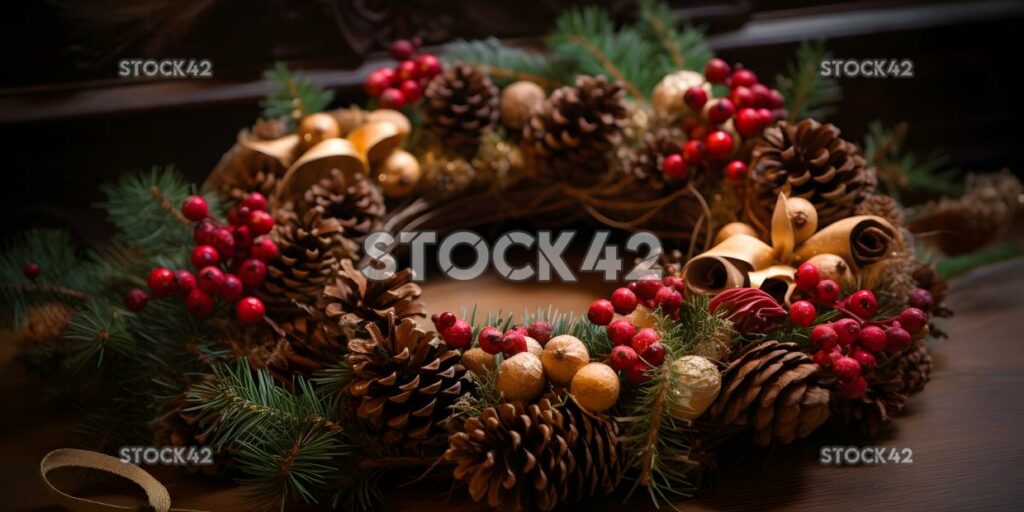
(67, 123)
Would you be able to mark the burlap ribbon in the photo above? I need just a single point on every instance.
(156, 493)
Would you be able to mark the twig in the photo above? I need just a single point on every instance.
(647, 460)
(47, 288)
(165, 203)
(666, 41)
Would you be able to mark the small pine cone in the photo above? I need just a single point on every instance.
(353, 300)
(308, 345)
(809, 160)
(357, 203)
(575, 128)
(311, 248)
(910, 371)
(405, 383)
(263, 181)
(882, 206)
(536, 456)
(47, 322)
(888, 390)
(460, 107)
(771, 388)
(891, 277)
(446, 175)
(645, 162)
(928, 277)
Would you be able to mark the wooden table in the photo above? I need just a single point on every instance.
(964, 429)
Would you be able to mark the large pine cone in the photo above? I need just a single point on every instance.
(356, 202)
(352, 299)
(771, 389)
(576, 127)
(460, 107)
(534, 457)
(405, 383)
(888, 391)
(645, 162)
(311, 248)
(809, 160)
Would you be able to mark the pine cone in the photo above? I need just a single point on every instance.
(405, 383)
(534, 457)
(882, 206)
(357, 204)
(310, 249)
(269, 129)
(645, 161)
(928, 277)
(353, 299)
(809, 160)
(461, 106)
(771, 389)
(888, 391)
(575, 128)
(307, 344)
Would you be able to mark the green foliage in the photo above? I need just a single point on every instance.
(293, 95)
(807, 93)
(63, 277)
(958, 265)
(504, 63)
(901, 172)
(96, 330)
(683, 49)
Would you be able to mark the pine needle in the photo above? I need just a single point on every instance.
(809, 95)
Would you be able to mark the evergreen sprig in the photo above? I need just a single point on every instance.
(808, 93)
(683, 49)
(293, 95)
(64, 278)
(504, 63)
(901, 172)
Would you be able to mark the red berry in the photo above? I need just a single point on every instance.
(668, 300)
(31, 270)
(872, 338)
(408, 70)
(624, 301)
(824, 336)
(854, 388)
(736, 171)
(802, 313)
(195, 208)
(865, 358)
(721, 110)
(161, 282)
(204, 232)
(621, 331)
(897, 339)
(250, 310)
(261, 222)
(695, 97)
(694, 152)
(807, 276)
(392, 98)
(775, 99)
(239, 215)
(761, 95)
(199, 303)
(264, 249)
(743, 78)
(377, 81)
(846, 367)
(255, 202)
(921, 299)
(135, 299)
(401, 49)
(644, 338)
(848, 330)
(430, 66)
(647, 286)
(765, 116)
(827, 291)
(411, 89)
(458, 335)
(243, 239)
(913, 320)
(231, 289)
(601, 312)
(716, 71)
(822, 358)
(224, 241)
(210, 279)
(622, 357)
(204, 256)
(637, 374)
(674, 167)
(184, 282)
(719, 144)
(863, 303)
(748, 122)
(743, 98)
(654, 354)
(540, 331)
(490, 340)
(446, 319)
(512, 343)
(252, 272)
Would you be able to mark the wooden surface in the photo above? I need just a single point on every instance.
(964, 429)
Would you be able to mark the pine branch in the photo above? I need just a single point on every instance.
(901, 172)
(505, 64)
(686, 49)
(809, 94)
(293, 96)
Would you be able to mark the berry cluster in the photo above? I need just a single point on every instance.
(403, 84)
(850, 345)
(228, 259)
(637, 349)
(458, 334)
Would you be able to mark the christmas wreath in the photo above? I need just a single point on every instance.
(242, 318)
